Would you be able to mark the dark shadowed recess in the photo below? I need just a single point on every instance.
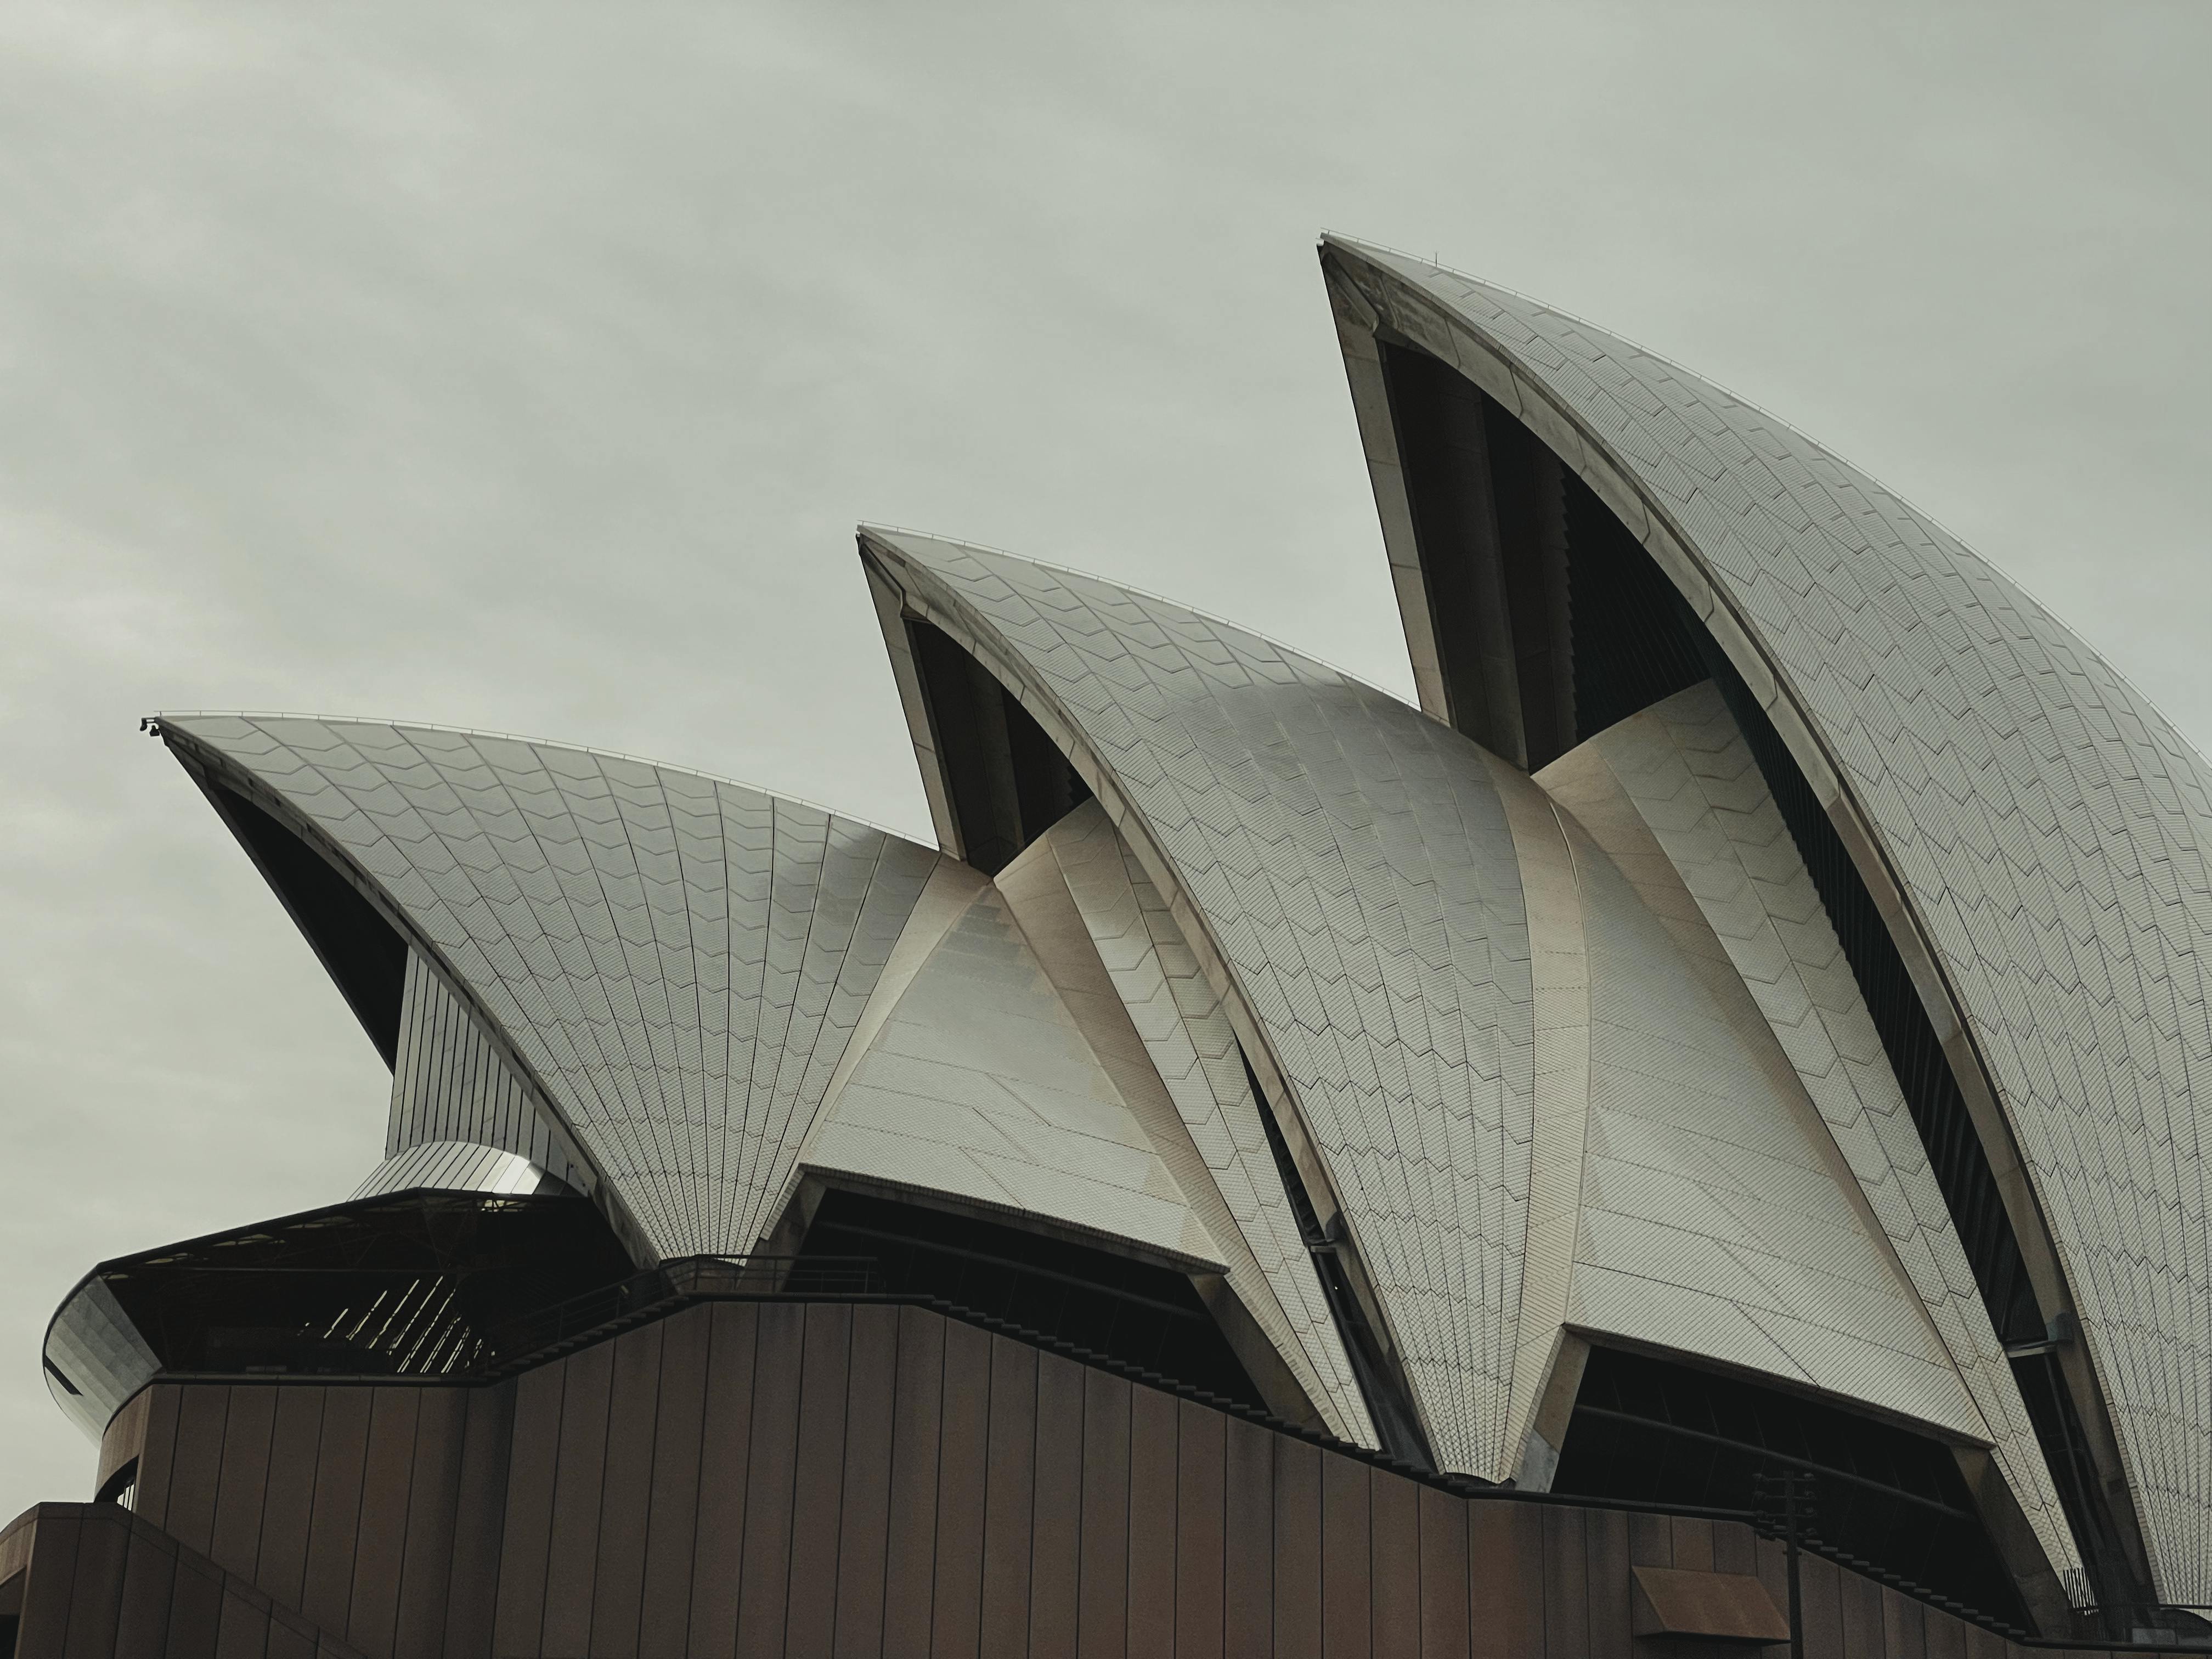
(1388, 1402)
(1647, 1430)
(409, 1284)
(1524, 564)
(1146, 1316)
(1008, 782)
(362, 950)
(1541, 602)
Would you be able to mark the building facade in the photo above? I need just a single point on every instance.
(1288, 1171)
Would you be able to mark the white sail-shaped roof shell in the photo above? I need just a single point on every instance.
(675, 963)
(671, 990)
(2035, 832)
(1442, 979)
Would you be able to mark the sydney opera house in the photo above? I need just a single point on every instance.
(1287, 1172)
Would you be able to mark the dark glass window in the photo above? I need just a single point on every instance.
(1665, 1433)
(414, 1284)
(1008, 781)
(1144, 1315)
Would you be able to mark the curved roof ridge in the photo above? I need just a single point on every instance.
(1764, 412)
(1332, 239)
(866, 527)
(700, 773)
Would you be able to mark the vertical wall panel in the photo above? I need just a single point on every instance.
(818, 1482)
(1650, 1540)
(1201, 1522)
(1298, 1549)
(1249, 1546)
(725, 1446)
(1443, 1575)
(572, 1544)
(626, 1494)
(341, 1455)
(1861, 1616)
(1394, 1554)
(245, 1631)
(1506, 1567)
(910, 1548)
(1943, 1635)
(671, 1521)
(195, 1613)
(1606, 1580)
(527, 1528)
(1009, 1500)
(196, 1469)
(295, 1447)
(962, 1452)
(764, 1576)
(1153, 1427)
(1824, 1605)
(43, 1624)
(433, 1499)
(1728, 1547)
(480, 1520)
(158, 1459)
(242, 1491)
(1056, 1526)
(96, 1587)
(380, 1541)
(1347, 1604)
(1904, 1635)
(1103, 1588)
(1567, 1582)
(864, 1505)
(149, 1582)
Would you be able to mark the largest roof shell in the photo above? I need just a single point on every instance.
(2039, 828)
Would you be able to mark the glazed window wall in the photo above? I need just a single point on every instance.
(1664, 1433)
(1147, 1317)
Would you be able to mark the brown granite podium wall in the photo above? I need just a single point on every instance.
(774, 1477)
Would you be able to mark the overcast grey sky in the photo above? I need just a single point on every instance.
(527, 366)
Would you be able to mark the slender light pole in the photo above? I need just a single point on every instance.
(1782, 1506)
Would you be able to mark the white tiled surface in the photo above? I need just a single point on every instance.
(679, 961)
(980, 1083)
(1714, 1220)
(450, 1086)
(1190, 1048)
(1679, 780)
(2048, 827)
(1351, 862)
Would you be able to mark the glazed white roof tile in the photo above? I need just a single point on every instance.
(982, 1062)
(1681, 773)
(1998, 763)
(1381, 952)
(680, 998)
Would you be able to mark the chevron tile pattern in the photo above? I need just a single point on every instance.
(2047, 827)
